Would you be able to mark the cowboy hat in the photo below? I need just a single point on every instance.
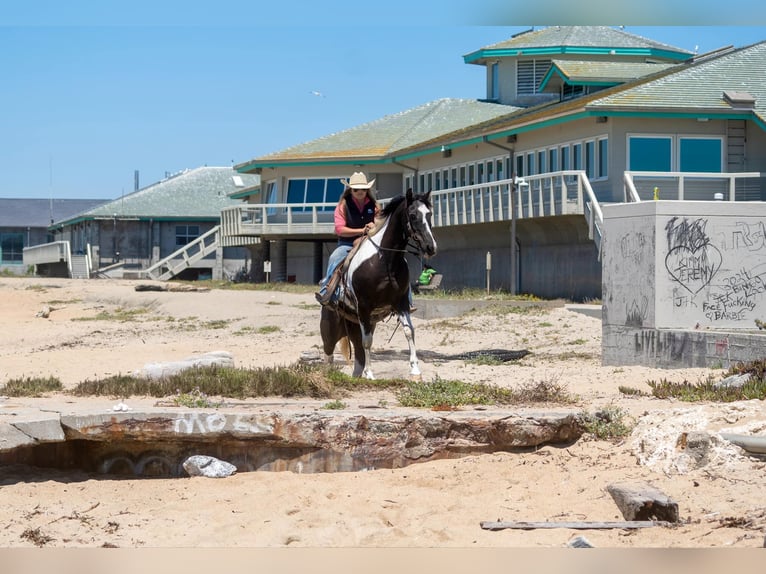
(358, 181)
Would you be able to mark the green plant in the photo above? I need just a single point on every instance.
(266, 329)
(194, 399)
(608, 423)
(335, 405)
(31, 386)
(632, 392)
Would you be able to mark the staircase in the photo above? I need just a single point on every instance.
(184, 257)
(79, 267)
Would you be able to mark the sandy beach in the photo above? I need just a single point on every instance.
(425, 505)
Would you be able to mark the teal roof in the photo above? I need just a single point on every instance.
(589, 40)
(198, 193)
(699, 86)
(581, 72)
(392, 135)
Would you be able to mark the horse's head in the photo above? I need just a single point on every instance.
(419, 222)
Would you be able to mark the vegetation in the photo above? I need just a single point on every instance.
(608, 423)
(710, 390)
(31, 387)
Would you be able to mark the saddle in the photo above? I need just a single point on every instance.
(336, 282)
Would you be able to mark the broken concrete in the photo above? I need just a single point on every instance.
(156, 440)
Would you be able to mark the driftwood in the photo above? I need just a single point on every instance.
(577, 525)
(169, 287)
(641, 501)
(46, 311)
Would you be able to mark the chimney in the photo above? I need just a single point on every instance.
(135, 180)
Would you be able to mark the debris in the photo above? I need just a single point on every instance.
(121, 407)
(579, 542)
(579, 525)
(752, 444)
(641, 501)
(733, 382)
(159, 370)
(46, 311)
(208, 466)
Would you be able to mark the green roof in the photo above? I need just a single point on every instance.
(198, 193)
(392, 135)
(581, 72)
(700, 86)
(577, 40)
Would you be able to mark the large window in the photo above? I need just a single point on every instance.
(700, 154)
(675, 153)
(529, 74)
(650, 153)
(603, 158)
(186, 234)
(314, 190)
(11, 247)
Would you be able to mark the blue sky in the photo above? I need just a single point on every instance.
(90, 97)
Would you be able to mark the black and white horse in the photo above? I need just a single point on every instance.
(377, 281)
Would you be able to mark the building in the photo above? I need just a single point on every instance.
(572, 118)
(25, 222)
(165, 230)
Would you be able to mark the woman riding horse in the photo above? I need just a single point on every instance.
(377, 281)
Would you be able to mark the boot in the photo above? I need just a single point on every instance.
(329, 289)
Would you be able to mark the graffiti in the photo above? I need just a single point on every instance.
(682, 299)
(636, 314)
(692, 261)
(632, 247)
(193, 422)
(721, 346)
(751, 237)
(736, 296)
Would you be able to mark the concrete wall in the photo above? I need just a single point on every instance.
(681, 281)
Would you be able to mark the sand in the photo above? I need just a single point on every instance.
(425, 505)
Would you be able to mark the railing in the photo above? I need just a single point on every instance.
(557, 193)
(695, 186)
(54, 252)
(184, 257)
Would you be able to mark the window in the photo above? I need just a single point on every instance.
(700, 154)
(529, 74)
(603, 158)
(564, 157)
(315, 190)
(541, 161)
(11, 247)
(494, 81)
(553, 159)
(590, 159)
(577, 156)
(530, 164)
(649, 153)
(186, 234)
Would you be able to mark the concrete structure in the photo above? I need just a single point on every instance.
(683, 283)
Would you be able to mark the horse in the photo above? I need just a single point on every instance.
(376, 282)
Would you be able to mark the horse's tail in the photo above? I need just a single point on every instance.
(345, 348)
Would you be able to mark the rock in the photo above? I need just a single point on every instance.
(208, 466)
(696, 445)
(159, 370)
(641, 501)
(733, 382)
(580, 542)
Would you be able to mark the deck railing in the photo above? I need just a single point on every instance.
(694, 186)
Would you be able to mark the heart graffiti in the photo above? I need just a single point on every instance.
(693, 269)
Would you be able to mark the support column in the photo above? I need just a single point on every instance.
(279, 260)
(319, 264)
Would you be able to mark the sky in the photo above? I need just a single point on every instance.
(91, 93)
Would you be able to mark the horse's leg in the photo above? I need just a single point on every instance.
(329, 328)
(355, 336)
(409, 332)
(367, 331)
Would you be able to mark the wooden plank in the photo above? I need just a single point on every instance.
(577, 525)
(642, 501)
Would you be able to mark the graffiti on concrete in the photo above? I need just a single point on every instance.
(736, 295)
(193, 422)
(632, 246)
(749, 236)
(636, 313)
(692, 260)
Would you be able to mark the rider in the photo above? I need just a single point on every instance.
(354, 217)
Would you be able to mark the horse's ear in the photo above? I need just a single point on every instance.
(408, 195)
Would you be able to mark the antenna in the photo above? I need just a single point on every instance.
(50, 185)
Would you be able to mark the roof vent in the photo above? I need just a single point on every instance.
(741, 100)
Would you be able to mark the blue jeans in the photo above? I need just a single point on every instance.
(335, 259)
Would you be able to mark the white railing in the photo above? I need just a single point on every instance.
(696, 186)
(557, 193)
(184, 257)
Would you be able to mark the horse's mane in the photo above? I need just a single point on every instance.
(391, 206)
